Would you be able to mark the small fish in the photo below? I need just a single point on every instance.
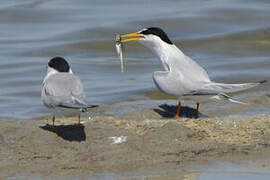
(119, 50)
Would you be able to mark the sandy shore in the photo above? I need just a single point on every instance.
(134, 141)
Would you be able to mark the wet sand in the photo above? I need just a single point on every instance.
(133, 141)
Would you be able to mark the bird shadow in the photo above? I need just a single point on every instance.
(169, 111)
(67, 132)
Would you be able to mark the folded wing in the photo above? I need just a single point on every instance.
(217, 88)
(63, 90)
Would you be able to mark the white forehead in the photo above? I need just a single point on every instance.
(144, 29)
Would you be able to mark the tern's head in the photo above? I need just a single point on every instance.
(149, 37)
(58, 65)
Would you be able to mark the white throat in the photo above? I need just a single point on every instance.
(51, 71)
(166, 52)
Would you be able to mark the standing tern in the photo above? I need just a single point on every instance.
(62, 89)
(181, 76)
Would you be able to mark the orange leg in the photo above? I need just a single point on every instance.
(197, 110)
(79, 120)
(53, 119)
(178, 111)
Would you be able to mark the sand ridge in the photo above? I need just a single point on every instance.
(147, 140)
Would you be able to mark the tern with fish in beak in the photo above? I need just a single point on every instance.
(119, 50)
(181, 75)
(61, 89)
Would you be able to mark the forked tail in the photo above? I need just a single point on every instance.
(81, 107)
(225, 97)
(214, 87)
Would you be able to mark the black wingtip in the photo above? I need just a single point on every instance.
(262, 82)
(89, 106)
(92, 106)
(82, 108)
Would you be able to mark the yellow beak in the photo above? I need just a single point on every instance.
(131, 37)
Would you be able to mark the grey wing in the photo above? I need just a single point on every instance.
(63, 89)
(194, 70)
(217, 88)
(161, 80)
(169, 83)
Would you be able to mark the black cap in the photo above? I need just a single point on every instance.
(59, 64)
(158, 32)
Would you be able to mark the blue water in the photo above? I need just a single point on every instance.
(229, 38)
(218, 170)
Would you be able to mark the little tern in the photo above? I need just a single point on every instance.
(181, 75)
(62, 89)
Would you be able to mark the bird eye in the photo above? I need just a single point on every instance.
(145, 32)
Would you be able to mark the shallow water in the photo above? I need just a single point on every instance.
(218, 170)
(230, 39)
